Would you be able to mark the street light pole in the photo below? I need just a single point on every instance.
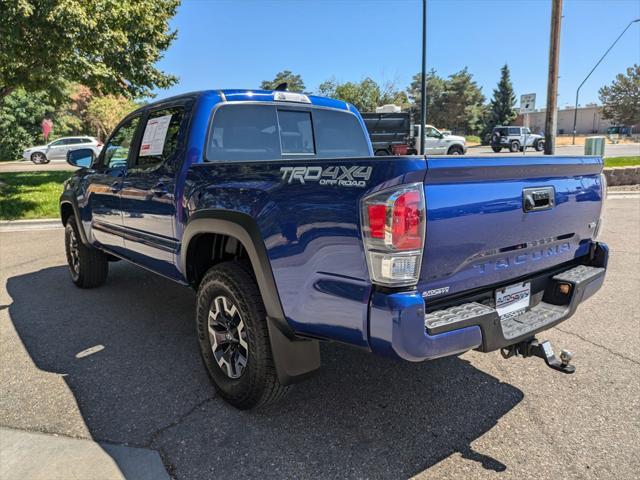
(575, 111)
(423, 84)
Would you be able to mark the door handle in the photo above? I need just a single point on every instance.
(159, 190)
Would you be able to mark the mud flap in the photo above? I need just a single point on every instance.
(295, 359)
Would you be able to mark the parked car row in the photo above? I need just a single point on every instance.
(57, 150)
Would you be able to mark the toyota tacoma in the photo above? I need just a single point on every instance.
(272, 206)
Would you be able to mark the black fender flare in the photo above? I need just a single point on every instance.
(69, 198)
(295, 358)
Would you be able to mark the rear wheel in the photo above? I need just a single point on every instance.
(233, 337)
(39, 158)
(514, 146)
(381, 153)
(88, 266)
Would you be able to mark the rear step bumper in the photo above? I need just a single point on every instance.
(399, 326)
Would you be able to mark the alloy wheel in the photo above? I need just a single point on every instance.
(228, 337)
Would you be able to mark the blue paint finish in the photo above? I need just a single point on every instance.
(397, 330)
(477, 232)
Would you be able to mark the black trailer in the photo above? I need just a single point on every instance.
(390, 133)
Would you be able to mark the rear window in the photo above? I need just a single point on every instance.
(267, 132)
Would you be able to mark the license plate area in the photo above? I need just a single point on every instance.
(513, 300)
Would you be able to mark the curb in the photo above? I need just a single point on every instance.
(37, 224)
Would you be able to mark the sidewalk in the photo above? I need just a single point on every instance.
(38, 456)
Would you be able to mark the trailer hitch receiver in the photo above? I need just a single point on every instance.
(544, 350)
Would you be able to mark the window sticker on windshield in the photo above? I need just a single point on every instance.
(154, 135)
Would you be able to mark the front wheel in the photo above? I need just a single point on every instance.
(539, 145)
(88, 266)
(39, 158)
(455, 150)
(234, 340)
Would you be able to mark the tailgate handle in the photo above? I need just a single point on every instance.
(536, 199)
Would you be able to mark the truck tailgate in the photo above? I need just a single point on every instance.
(478, 232)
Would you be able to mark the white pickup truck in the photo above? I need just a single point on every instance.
(438, 143)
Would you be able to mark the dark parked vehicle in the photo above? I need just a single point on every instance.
(390, 133)
(272, 206)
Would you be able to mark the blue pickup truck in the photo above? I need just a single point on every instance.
(273, 207)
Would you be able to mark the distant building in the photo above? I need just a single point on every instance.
(589, 120)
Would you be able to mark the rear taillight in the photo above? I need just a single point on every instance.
(99, 144)
(393, 229)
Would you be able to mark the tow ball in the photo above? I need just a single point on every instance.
(544, 350)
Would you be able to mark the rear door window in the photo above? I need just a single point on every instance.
(514, 131)
(160, 137)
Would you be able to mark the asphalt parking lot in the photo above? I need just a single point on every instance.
(120, 364)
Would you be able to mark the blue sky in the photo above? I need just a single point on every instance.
(237, 44)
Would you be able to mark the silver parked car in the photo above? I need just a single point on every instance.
(57, 150)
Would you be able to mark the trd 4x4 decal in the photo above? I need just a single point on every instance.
(342, 176)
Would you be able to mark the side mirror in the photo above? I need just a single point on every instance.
(83, 157)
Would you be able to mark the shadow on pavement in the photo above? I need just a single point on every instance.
(130, 357)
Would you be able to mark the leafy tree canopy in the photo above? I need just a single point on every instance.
(365, 95)
(294, 82)
(104, 113)
(111, 46)
(621, 99)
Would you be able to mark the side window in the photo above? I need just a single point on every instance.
(296, 133)
(160, 137)
(244, 132)
(57, 143)
(73, 141)
(514, 131)
(117, 150)
(431, 132)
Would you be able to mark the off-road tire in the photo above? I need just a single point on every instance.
(514, 146)
(496, 149)
(539, 146)
(258, 383)
(88, 266)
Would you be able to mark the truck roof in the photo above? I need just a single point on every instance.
(255, 95)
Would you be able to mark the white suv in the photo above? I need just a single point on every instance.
(515, 139)
(57, 150)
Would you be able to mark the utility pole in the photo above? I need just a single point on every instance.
(423, 84)
(551, 120)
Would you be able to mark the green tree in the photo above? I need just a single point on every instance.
(104, 113)
(462, 104)
(501, 109)
(111, 46)
(21, 115)
(436, 88)
(621, 100)
(294, 82)
(365, 95)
